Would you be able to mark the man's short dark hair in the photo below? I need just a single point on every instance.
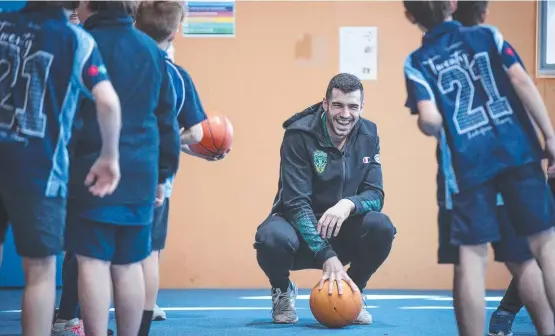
(128, 7)
(429, 14)
(346, 83)
(470, 13)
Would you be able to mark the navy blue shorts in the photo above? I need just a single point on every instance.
(37, 221)
(118, 244)
(160, 225)
(510, 249)
(527, 198)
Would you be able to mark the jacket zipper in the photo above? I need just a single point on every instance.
(344, 174)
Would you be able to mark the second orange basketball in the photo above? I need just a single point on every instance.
(217, 137)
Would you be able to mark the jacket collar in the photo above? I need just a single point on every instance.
(108, 19)
(440, 30)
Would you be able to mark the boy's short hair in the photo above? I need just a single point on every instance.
(36, 5)
(108, 6)
(470, 13)
(429, 14)
(159, 19)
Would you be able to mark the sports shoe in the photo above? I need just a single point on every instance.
(364, 317)
(501, 323)
(68, 328)
(283, 305)
(158, 314)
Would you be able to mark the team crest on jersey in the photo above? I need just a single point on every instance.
(320, 160)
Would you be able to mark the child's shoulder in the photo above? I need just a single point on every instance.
(415, 58)
(179, 70)
(483, 32)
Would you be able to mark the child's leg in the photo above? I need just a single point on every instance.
(543, 247)
(94, 245)
(469, 289)
(527, 281)
(94, 294)
(528, 277)
(133, 247)
(159, 231)
(531, 207)
(511, 301)
(151, 275)
(38, 224)
(474, 225)
(69, 301)
(129, 298)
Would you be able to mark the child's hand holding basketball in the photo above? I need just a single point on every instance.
(217, 158)
(216, 140)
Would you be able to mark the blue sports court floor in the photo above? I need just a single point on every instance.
(247, 312)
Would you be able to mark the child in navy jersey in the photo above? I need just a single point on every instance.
(468, 88)
(50, 65)
(161, 20)
(111, 236)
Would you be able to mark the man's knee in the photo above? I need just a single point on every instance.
(378, 226)
(276, 234)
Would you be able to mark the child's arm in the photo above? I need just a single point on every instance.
(168, 128)
(522, 83)
(430, 121)
(421, 101)
(191, 117)
(192, 113)
(531, 98)
(192, 135)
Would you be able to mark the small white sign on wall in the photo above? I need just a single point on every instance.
(358, 51)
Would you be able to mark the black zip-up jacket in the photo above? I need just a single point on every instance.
(315, 175)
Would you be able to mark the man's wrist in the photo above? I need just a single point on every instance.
(326, 253)
(351, 204)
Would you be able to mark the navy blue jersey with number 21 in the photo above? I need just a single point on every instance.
(463, 70)
(46, 64)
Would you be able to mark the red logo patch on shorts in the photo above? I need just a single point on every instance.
(509, 51)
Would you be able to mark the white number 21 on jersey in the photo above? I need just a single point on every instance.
(32, 71)
(453, 78)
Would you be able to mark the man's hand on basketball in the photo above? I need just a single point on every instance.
(334, 217)
(550, 152)
(104, 176)
(335, 272)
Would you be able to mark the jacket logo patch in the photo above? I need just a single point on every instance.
(377, 158)
(320, 160)
(366, 159)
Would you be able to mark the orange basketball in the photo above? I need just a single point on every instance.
(217, 137)
(335, 311)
